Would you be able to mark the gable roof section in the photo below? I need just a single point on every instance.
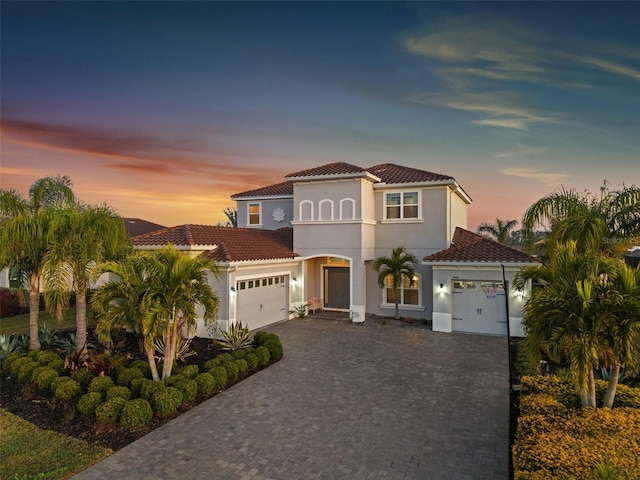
(469, 247)
(284, 189)
(337, 169)
(137, 226)
(391, 173)
(225, 244)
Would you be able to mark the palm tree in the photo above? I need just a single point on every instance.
(615, 215)
(179, 283)
(86, 236)
(25, 237)
(394, 269)
(126, 301)
(232, 217)
(567, 318)
(500, 231)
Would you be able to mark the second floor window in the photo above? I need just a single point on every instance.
(254, 214)
(400, 205)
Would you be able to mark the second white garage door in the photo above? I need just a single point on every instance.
(262, 301)
(479, 307)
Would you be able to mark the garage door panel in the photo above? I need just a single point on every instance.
(261, 305)
(479, 307)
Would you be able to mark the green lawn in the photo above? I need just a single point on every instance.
(19, 324)
(29, 452)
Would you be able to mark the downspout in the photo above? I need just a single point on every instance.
(506, 304)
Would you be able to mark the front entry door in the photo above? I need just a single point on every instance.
(336, 287)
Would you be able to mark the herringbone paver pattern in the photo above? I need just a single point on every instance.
(347, 401)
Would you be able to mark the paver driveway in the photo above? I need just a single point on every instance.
(346, 401)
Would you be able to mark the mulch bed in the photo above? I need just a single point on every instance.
(44, 411)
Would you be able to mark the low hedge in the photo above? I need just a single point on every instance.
(136, 412)
(556, 439)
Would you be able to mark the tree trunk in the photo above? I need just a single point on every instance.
(34, 312)
(168, 359)
(397, 316)
(611, 388)
(152, 363)
(584, 397)
(592, 389)
(81, 320)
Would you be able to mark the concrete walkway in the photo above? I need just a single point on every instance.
(347, 401)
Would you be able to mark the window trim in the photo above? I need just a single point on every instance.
(418, 288)
(402, 218)
(249, 205)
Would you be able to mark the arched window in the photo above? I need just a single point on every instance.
(347, 209)
(306, 210)
(325, 209)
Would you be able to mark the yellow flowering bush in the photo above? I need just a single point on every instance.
(554, 441)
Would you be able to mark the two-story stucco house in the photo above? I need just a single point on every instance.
(316, 235)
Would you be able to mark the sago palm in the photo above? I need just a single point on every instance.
(400, 265)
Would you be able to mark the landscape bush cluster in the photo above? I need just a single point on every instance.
(119, 391)
(556, 439)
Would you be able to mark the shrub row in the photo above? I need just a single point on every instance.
(556, 439)
(128, 396)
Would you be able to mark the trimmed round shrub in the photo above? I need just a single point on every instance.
(209, 364)
(263, 355)
(89, 402)
(144, 367)
(232, 371)
(26, 370)
(249, 350)
(126, 375)
(136, 412)
(34, 354)
(47, 356)
(220, 376)
(189, 389)
(68, 391)
(45, 378)
(57, 365)
(136, 386)
(149, 389)
(101, 385)
(109, 412)
(166, 401)
(36, 372)
(223, 358)
(84, 376)
(190, 371)
(261, 337)
(275, 348)
(56, 382)
(206, 383)
(252, 360)
(119, 391)
(237, 354)
(17, 363)
(242, 364)
(12, 357)
(173, 380)
(627, 396)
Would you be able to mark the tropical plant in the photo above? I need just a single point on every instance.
(232, 217)
(8, 344)
(609, 222)
(25, 238)
(585, 313)
(394, 269)
(300, 311)
(88, 235)
(499, 231)
(236, 338)
(182, 350)
(47, 336)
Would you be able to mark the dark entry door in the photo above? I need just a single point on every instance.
(336, 287)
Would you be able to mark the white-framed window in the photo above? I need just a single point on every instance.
(325, 209)
(254, 211)
(408, 294)
(347, 209)
(402, 205)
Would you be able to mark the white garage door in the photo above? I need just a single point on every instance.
(262, 301)
(479, 307)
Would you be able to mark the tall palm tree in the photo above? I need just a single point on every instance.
(400, 265)
(616, 213)
(25, 237)
(178, 286)
(86, 236)
(568, 317)
(127, 300)
(499, 231)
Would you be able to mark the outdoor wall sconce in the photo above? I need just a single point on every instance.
(519, 294)
(294, 280)
(441, 288)
(233, 289)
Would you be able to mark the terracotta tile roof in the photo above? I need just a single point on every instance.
(339, 168)
(391, 173)
(283, 189)
(231, 244)
(467, 246)
(137, 226)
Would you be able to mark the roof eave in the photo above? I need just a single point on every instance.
(262, 197)
(451, 263)
(333, 176)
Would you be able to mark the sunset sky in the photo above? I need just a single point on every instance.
(165, 109)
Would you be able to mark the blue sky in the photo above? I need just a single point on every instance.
(164, 109)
